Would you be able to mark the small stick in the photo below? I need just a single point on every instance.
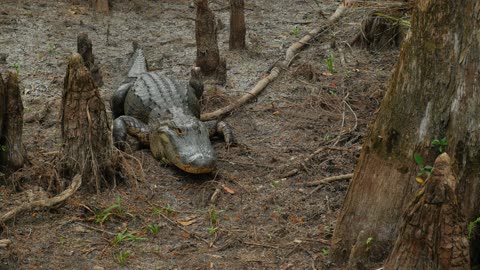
(329, 180)
(95, 229)
(4, 243)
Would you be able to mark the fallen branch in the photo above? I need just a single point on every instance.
(263, 83)
(76, 182)
(329, 180)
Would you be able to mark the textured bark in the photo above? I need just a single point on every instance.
(433, 232)
(237, 25)
(12, 152)
(87, 146)
(379, 33)
(2, 103)
(85, 49)
(101, 5)
(433, 93)
(208, 55)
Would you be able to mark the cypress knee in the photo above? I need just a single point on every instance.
(87, 146)
(12, 152)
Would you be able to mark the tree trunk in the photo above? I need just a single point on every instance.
(12, 152)
(85, 49)
(433, 233)
(101, 5)
(2, 103)
(433, 93)
(87, 146)
(237, 25)
(208, 56)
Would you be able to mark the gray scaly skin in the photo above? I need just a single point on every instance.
(164, 115)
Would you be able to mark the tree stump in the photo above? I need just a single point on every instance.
(208, 56)
(433, 232)
(101, 6)
(85, 49)
(237, 25)
(87, 145)
(12, 152)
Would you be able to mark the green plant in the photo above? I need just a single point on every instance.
(471, 227)
(275, 184)
(329, 62)
(124, 236)
(368, 243)
(212, 230)
(213, 215)
(51, 49)
(325, 252)
(296, 31)
(155, 229)
(16, 66)
(440, 144)
(3, 148)
(425, 170)
(122, 257)
(116, 209)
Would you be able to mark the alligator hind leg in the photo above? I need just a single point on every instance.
(118, 99)
(223, 129)
(127, 125)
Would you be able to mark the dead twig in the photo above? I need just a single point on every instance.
(76, 182)
(95, 229)
(329, 180)
(4, 243)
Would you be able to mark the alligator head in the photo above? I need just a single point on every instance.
(183, 140)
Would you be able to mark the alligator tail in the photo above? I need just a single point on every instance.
(139, 64)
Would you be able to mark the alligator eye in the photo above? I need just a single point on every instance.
(178, 131)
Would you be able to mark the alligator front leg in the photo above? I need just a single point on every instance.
(118, 99)
(223, 129)
(128, 125)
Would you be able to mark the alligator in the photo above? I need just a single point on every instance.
(164, 115)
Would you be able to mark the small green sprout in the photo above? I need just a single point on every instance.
(122, 257)
(296, 31)
(440, 144)
(124, 236)
(154, 228)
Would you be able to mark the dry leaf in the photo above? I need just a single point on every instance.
(229, 190)
(185, 235)
(327, 74)
(187, 223)
(419, 180)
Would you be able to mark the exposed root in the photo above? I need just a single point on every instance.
(45, 203)
(329, 180)
(275, 71)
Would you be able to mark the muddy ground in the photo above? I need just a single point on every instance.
(262, 217)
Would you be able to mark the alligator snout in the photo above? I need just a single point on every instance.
(199, 163)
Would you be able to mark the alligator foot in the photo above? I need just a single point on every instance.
(223, 129)
(127, 125)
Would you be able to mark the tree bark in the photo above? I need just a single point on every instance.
(433, 232)
(2, 103)
(237, 25)
(12, 152)
(433, 93)
(208, 55)
(87, 146)
(85, 49)
(101, 5)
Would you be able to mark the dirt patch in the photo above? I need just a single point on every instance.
(263, 217)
